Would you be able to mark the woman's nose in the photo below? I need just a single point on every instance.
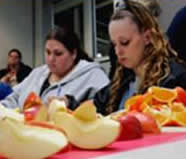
(51, 57)
(118, 50)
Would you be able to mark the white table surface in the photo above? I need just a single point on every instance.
(172, 150)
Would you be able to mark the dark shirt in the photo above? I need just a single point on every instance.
(23, 72)
(45, 85)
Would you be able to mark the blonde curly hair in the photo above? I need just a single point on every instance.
(157, 54)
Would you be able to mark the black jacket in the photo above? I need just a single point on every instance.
(23, 71)
(177, 77)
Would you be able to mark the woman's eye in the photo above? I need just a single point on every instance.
(125, 43)
(47, 52)
(59, 53)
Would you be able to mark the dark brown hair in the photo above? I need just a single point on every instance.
(70, 40)
(17, 51)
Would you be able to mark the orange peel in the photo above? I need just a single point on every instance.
(164, 95)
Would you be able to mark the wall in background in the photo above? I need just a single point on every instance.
(169, 8)
(43, 20)
(25, 23)
(16, 29)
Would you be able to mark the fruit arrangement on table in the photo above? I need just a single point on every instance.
(167, 106)
(41, 131)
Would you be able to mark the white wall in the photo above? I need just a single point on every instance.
(16, 29)
(43, 24)
(169, 8)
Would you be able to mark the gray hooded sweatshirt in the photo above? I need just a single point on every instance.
(82, 83)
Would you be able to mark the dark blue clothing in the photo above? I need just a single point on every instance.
(5, 90)
(177, 33)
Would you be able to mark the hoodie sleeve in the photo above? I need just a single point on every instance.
(86, 86)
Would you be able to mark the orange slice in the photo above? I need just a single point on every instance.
(138, 103)
(162, 116)
(178, 114)
(130, 101)
(179, 118)
(181, 95)
(177, 107)
(164, 95)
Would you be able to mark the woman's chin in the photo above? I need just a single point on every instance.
(125, 64)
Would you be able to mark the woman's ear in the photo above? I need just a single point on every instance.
(147, 36)
(74, 54)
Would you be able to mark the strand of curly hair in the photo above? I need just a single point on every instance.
(157, 54)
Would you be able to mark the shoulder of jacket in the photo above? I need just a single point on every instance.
(40, 69)
(177, 68)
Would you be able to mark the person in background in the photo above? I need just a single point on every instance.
(16, 70)
(177, 33)
(154, 8)
(145, 58)
(68, 71)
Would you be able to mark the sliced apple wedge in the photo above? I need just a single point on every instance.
(94, 134)
(6, 112)
(86, 111)
(42, 114)
(20, 141)
(56, 105)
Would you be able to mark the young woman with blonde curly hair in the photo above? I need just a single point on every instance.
(145, 58)
(152, 5)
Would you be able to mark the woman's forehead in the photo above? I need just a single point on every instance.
(123, 24)
(124, 28)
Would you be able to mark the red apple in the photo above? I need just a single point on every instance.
(130, 128)
(181, 97)
(32, 100)
(30, 113)
(148, 123)
(37, 113)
